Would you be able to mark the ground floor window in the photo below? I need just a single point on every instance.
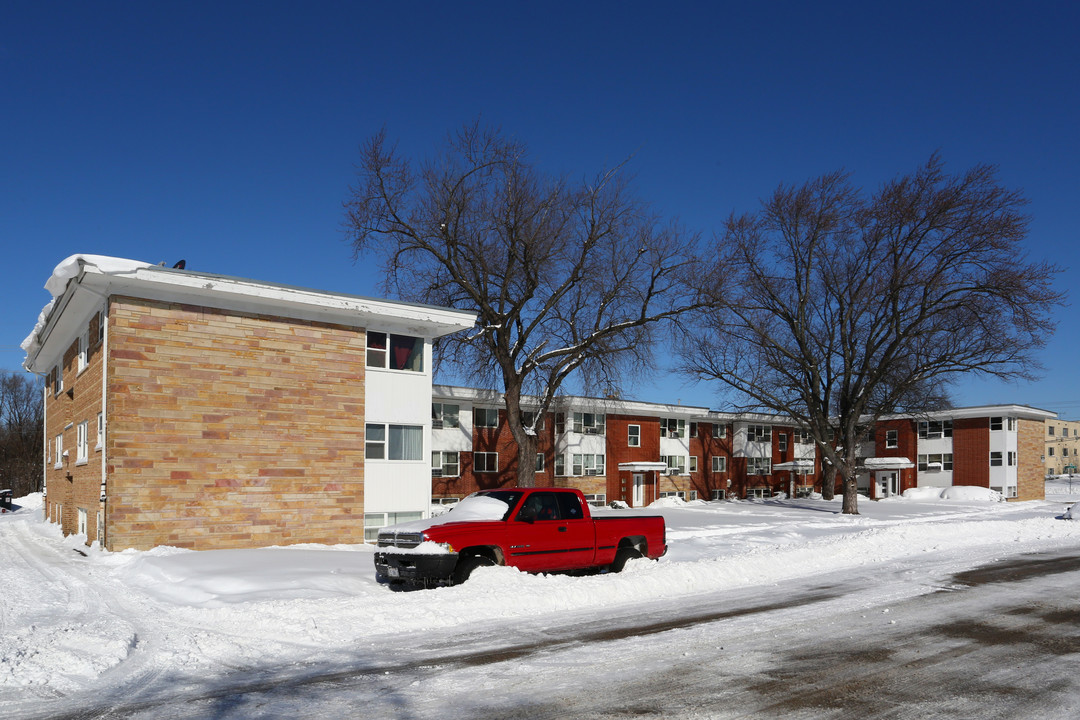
(803, 490)
(757, 493)
(445, 500)
(596, 499)
(719, 464)
(676, 493)
(373, 522)
(444, 464)
(82, 522)
(485, 462)
(719, 494)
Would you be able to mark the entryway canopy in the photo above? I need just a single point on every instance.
(642, 466)
(888, 463)
(795, 465)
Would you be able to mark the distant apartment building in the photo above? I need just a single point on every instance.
(1061, 445)
(203, 411)
(636, 452)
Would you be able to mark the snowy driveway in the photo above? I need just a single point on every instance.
(760, 609)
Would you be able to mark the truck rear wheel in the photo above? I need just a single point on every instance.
(622, 556)
(467, 564)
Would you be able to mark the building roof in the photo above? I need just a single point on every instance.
(81, 282)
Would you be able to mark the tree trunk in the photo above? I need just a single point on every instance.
(526, 443)
(828, 483)
(851, 495)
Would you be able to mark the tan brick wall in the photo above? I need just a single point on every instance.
(75, 484)
(1030, 471)
(229, 430)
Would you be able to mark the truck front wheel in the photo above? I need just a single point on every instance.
(467, 564)
(623, 555)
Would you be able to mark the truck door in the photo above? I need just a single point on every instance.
(551, 533)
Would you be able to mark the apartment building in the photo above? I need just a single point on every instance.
(204, 411)
(1061, 445)
(637, 452)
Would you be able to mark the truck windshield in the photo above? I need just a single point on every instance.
(510, 497)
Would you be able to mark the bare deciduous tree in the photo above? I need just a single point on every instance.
(570, 281)
(21, 433)
(843, 306)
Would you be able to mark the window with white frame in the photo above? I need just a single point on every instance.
(59, 446)
(693, 429)
(802, 491)
(588, 423)
(586, 464)
(393, 442)
(373, 522)
(802, 437)
(445, 463)
(676, 464)
(719, 464)
(693, 464)
(81, 530)
(1012, 459)
(719, 494)
(84, 344)
(1011, 425)
(995, 423)
(485, 417)
(82, 444)
(934, 429)
(100, 431)
(673, 493)
(539, 467)
(781, 442)
(759, 433)
(445, 415)
(757, 493)
(995, 459)
(1050, 452)
(560, 423)
(101, 327)
(672, 427)
(58, 380)
(892, 438)
(936, 461)
(596, 499)
(719, 430)
(485, 462)
(395, 352)
(758, 466)
(633, 436)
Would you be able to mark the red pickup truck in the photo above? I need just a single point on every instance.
(532, 529)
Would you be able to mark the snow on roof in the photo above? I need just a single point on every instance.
(57, 283)
(888, 463)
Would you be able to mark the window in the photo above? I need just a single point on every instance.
(995, 423)
(995, 459)
(596, 499)
(539, 462)
(82, 445)
(404, 352)
(560, 465)
(719, 431)
(802, 437)
(936, 462)
(445, 464)
(673, 493)
(892, 439)
(719, 494)
(759, 433)
(393, 442)
(528, 419)
(757, 493)
(444, 415)
(84, 343)
(587, 464)
(485, 417)
(1051, 452)
(633, 435)
(803, 491)
(693, 429)
(719, 464)
(932, 429)
(588, 423)
(1011, 426)
(1012, 459)
(1050, 429)
(672, 427)
(373, 522)
(82, 522)
(58, 380)
(100, 431)
(758, 466)
(781, 442)
(486, 462)
(59, 445)
(693, 463)
(676, 464)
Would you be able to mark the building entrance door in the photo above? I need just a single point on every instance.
(639, 489)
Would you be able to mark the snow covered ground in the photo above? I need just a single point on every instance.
(81, 628)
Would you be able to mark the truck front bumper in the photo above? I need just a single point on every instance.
(414, 569)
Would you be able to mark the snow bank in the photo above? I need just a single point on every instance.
(966, 493)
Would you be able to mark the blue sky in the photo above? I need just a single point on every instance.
(226, 133)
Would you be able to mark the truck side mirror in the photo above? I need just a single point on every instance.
(527, 514)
